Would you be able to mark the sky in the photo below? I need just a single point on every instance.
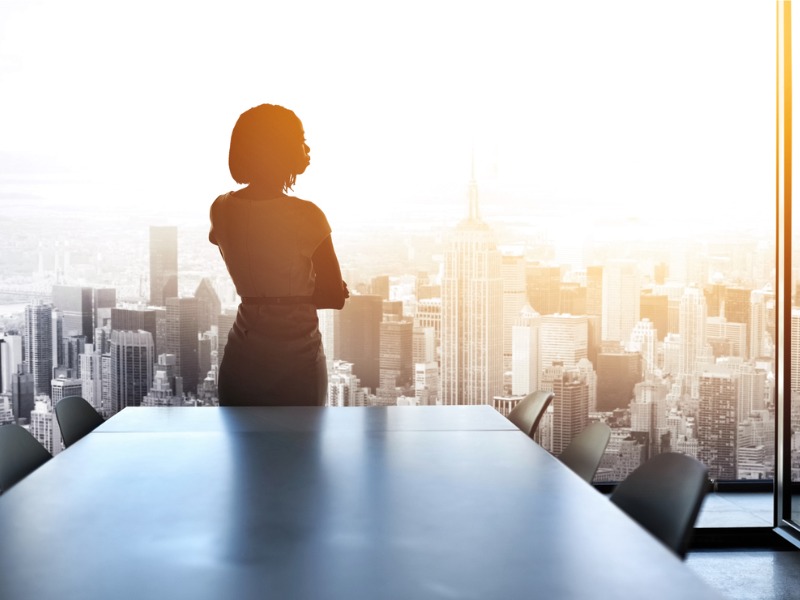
(654, 110)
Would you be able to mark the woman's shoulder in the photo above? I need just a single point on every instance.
(311, 212)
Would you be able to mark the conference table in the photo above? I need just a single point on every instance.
(329, 503)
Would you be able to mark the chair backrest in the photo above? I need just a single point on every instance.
(76, 417)
(584, 452)
(664, 495)
(20, 455)
(528, 412)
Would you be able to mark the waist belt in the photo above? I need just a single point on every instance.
(276, 300)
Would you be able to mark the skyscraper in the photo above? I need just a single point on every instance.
(514, 299)
(617, 374)
(131, 368)
(182, 340)
(39, 345)
(134, 319)
(620, 300)
(75, 304)
(717, 427)
(163, 264)
(472, 312)
(570, 404)
(564, 339)
(692, 330)
(543, 284)
(360, 337)
(396, 366)
(525, 363)
(208, 305)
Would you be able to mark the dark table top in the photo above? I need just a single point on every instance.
(321, 503)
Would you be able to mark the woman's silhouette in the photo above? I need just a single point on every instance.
(279, 253)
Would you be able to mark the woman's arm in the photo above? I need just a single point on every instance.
(329, 291)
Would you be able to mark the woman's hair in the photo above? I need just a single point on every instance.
(262, 146)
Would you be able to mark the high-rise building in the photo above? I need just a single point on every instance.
(692, 330)
(525, 363)
(75, 305)
(570, 404)
(655, 308)
(563, 339)
(472, 312)
(360, 335)
(795, 344)
(757, 344)
(134, 319)
(103, 300)
(39, 345)
(208, 305)
(429, 314)
(10, 359)
(344, 387)
(426, 383)
(621, 296)
(737, 306)
(643, 340)
(163, 264)
(22, 394)
(543, 283)
(43, 425)
(379, 286)
(396, 359)
(648, 413)
(717, 426)
(182, 340)
(515, 297)
(225, 324)
(167, 388)
(594, 290)
(64, 388)
(423, 345)
(726, 338)
(131, 368)
(617, 374)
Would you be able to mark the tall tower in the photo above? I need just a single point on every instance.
(514, 299)
(208, 305)
(39, 345)
(692, 329)
(717, 427)
(564, 339)
(134, 319)
(163, 264)
(182, 340)
(525, 364)
(360, 337)
(543, 284)
(620, 300)
(131, 368)
(396, 366)
(472, 312)
(75, 304)
(570, 404)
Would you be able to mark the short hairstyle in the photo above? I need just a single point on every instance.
(261, 146)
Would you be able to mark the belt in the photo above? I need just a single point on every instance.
(277, 300)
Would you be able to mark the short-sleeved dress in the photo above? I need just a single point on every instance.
(274, 353)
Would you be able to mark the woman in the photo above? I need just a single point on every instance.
(279, 253)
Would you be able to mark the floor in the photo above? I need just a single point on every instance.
(757, 574)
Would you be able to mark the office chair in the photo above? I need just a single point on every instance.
(584, 452)
(20, 455)
(528, 412)
(76, 417)
(664, 496)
